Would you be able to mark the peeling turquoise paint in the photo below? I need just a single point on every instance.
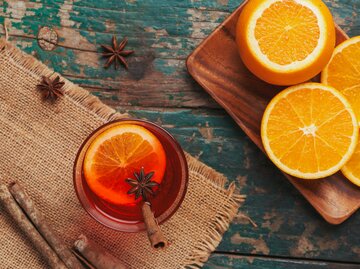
(164, 67)
(4, 7)
(43, 17)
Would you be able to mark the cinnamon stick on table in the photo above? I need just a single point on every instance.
(38, 219)
(84, 261)
(95, 254)
(29, 230)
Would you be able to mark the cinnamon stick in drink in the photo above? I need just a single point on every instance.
(155, 235)
(28, 229)
(143, 186)
(38, 219)
(95, 254)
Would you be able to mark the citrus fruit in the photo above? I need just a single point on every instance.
(285, 42)
(351, 169)
(309, 130)
(343, 72)
(116, 154)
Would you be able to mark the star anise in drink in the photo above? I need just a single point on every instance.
(142, 184)
(116, 53)
(51, 89)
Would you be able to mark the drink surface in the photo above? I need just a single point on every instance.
(108, 163)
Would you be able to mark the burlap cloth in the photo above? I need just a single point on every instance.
(38, 145)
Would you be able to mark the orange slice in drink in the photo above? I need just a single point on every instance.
(116, 154)
(309, 130)
(285, 42)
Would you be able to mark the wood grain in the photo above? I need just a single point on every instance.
(223, 75)
(223, 261)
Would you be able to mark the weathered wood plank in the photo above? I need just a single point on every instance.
(188, 19)
(223, 261)
(158, 66)
(121, 87)
(162, 34)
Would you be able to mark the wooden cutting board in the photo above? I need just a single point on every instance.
(217, 67)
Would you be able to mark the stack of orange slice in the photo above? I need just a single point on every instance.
(343, 73)
(309, 130)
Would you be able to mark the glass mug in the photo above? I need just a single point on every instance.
(128, 218)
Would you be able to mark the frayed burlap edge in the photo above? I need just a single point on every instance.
(202, 250)
(205, 246)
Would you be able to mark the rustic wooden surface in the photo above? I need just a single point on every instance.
(290, 234)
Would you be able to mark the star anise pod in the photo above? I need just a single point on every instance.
(51, 89)
(142, 184)
(116, 54)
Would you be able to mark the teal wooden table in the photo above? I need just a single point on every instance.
(289, 233)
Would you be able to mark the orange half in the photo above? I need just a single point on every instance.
(285, 42)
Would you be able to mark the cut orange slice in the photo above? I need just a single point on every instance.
(351, 169)
(309, 131)
(116, 154)
(285, 42)
(343, 72)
